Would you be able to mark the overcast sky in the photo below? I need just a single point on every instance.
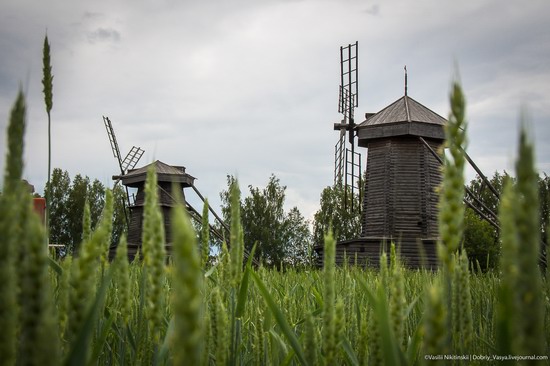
(250, 87)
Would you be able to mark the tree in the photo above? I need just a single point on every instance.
(67, 208)
(96, 198)
(335, 214)
(481, 239)
(59, 220)
(280, 237)
(119, 214)
(263, 219)
(485, 195)
(75, 209)
(297, 239)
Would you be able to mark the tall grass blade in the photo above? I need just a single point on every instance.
(243, 289)
(280, 319)
(78, 354)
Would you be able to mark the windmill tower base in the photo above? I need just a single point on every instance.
(366, 251)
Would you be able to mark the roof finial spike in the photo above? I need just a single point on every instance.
(405, 80)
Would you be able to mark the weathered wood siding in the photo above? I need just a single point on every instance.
(367, 251)
(400, 190)
(135, 229)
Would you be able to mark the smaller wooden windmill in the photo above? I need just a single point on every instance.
(168, 178)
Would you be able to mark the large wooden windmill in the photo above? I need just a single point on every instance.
(404, 143)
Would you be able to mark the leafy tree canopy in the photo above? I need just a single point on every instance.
(481, 239)
(336, 212)
(283, 238)
(67, 207)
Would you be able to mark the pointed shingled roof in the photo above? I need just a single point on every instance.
(403, 117)
(405, 109)
(165, 173)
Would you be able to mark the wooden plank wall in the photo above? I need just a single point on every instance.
(135, 231)
(365, 252)
(400, 200)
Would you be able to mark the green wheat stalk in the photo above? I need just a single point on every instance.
(38, 331)
(329, 301)
(154, 255)
(236, 235)
(63, 296)
(205, 235)
(47, 82)
(187, 294)
(451, 208)
(85, 271)
(86, 222)
(435, 325)
(397, 301)
(122, 280)
(311, 341)
(10, 231)
(220, 327)
(528, 286)
(506, 309)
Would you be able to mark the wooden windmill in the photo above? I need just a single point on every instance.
(403, 172)
(400, 200)
(169, 177)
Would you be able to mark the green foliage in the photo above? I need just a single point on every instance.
(56, 193)
(335, 214)
(485, 195)
(283, 237)
(67, 208)
(480, 241)
(480, 238)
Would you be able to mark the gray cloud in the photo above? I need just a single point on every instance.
(103, 35)
(373, 9)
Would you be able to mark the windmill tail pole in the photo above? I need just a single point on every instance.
(224, 225)
(483, 177)
(195, 215)
(211, 209)
(491, 213)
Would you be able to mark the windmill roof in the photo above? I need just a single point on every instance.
(405, 109)
(165, 173)
(403, 117)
